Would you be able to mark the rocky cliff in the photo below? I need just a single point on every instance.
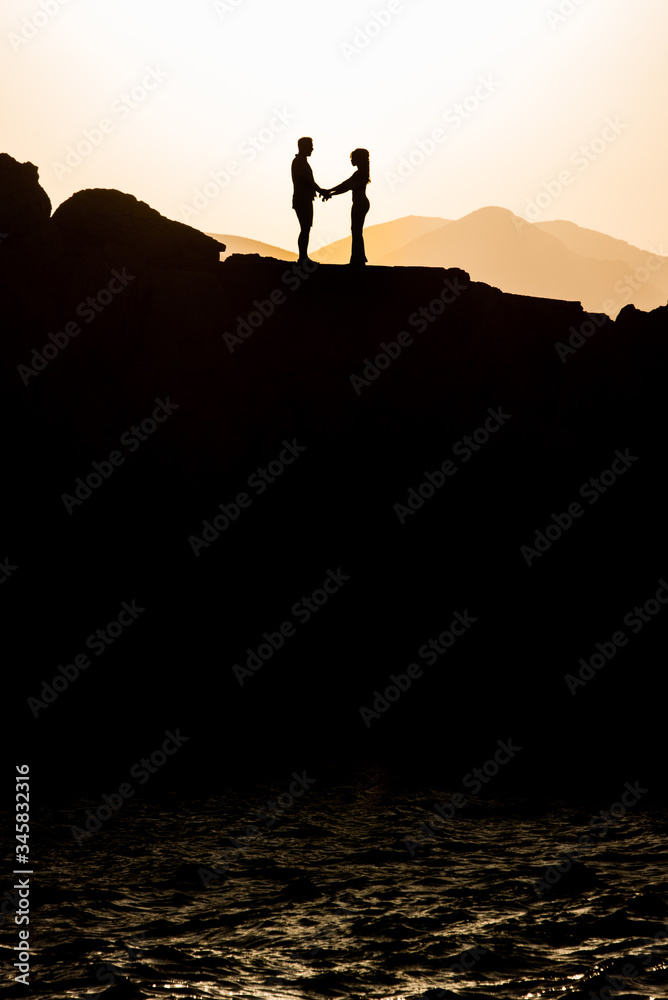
(216, 441)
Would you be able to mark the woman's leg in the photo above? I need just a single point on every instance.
(358, 215)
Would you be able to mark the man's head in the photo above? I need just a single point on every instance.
(305, 145)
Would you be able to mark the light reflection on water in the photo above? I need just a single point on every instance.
(329, 903)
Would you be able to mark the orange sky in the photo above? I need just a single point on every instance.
(551, 108)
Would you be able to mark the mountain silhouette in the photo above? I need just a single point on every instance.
(557, 260)
(380, 240)
(240, 244)
(546, 259)
(589, 243)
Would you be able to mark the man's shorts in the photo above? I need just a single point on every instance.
(304, 210)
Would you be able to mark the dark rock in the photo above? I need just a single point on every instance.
(116, 227)
(301, 890)
(25, 210)
(254, 352)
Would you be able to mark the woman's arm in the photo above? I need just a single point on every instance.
(349, 185)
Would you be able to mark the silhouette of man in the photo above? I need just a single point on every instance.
(305, 190)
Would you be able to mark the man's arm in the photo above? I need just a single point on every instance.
(316, 187)
(302, 176)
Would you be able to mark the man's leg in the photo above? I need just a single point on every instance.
(305, 216)
(302, 242)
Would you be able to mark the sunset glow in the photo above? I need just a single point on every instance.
(196, 108)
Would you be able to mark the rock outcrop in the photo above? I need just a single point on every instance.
(112, 226)
(25, 211)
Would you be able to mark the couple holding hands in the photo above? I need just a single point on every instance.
(305, 190)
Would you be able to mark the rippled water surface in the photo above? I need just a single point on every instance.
(329, 902)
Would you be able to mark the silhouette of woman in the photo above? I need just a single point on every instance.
(357, 183)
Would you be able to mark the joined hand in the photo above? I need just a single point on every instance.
(325, 195)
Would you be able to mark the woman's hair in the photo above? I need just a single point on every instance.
(360, 159)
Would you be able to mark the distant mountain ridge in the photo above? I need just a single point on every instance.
(379, 240)
(382, 239)
(559, 259)
(241, 244)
